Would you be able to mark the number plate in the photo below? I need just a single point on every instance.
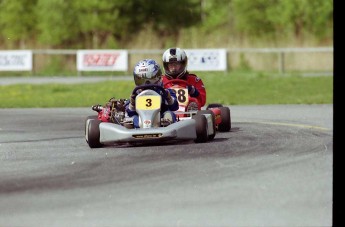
(148, 102)
(182, 95)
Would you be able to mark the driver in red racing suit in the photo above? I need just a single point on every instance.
(175, 66)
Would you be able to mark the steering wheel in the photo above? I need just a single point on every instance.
(150, 86)
(182, 83)
(177, 81)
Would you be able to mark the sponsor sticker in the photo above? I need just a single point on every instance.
(147, 136)
(102, 60)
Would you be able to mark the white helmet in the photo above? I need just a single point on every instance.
(147, 71)
(175, 55)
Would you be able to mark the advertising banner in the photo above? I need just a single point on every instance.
(102, 60)
(206, 59)
(16, 60)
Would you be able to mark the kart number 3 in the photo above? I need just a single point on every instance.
(148, 102)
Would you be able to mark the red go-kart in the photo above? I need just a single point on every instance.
(190, 104)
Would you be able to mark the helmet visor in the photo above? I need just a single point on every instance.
(175, 67)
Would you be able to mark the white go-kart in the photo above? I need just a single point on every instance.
(199, 126)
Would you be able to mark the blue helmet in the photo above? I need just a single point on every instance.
(147, 71)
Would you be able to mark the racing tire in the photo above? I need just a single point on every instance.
(213, 105)
(93, 132)
(225, 124)
(210, 137)
(92, 117)
(200, 128)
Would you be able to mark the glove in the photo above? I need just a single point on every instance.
(98, 108)
(168, 97)
(192, 91)
(132, 102)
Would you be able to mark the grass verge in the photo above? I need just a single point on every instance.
(224, 88)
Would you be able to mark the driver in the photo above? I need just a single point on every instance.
(175, 65)
(145, 72)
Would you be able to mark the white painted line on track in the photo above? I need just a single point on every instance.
(291, 125)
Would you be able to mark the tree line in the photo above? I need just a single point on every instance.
(97, 23)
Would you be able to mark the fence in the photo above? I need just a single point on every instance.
(281, 60)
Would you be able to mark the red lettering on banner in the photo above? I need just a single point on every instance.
(100, 59)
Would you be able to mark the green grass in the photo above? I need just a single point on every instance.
(229, 89)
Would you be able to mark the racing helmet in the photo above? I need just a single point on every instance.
(177, 57)
(147, 71)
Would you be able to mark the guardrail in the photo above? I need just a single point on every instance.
(281, 52)
(318, 59)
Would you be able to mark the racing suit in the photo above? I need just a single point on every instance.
(192, 80)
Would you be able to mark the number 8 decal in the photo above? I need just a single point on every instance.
(182, 95)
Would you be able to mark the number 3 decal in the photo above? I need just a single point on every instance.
(148, 102)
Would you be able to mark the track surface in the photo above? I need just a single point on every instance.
(273, 169)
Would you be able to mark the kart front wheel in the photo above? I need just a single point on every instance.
(92, 117)
(201, 128)
(93, 133)
(210, 137)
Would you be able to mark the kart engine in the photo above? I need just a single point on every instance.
(117, 110)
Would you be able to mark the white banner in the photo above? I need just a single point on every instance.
(102, 60)
(206, 59)
(16, 60)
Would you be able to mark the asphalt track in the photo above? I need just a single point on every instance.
(274, 168)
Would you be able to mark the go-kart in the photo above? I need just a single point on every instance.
(200, 127)
(188, 104)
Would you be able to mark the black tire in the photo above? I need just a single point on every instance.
(200, 128)
(213, 105)
(93, 133)
(225, 124)
(210, 137)
(92, 117)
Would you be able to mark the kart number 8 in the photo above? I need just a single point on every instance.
(182, 95)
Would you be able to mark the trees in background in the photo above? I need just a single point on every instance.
(283, 17)
(104, 23)
(17, 22)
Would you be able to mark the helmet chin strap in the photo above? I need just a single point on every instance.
(181, 75)
(178, 76)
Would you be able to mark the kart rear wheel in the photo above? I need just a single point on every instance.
(213, 105)
(201, 128)
(93, 132)
(210, 137)
(225, 124)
